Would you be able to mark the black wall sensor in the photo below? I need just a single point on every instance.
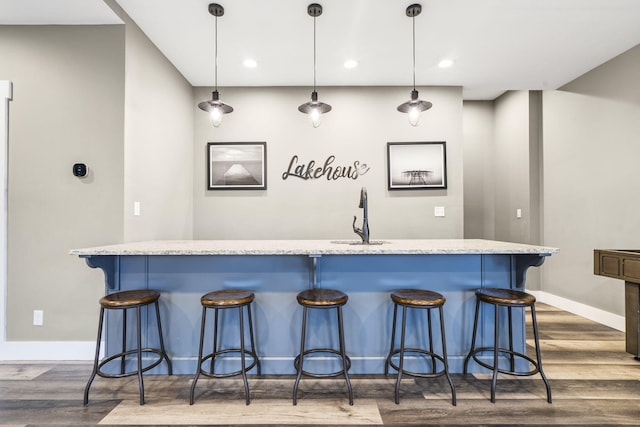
(80, 170)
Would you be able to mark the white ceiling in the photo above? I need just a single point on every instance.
(496, 45)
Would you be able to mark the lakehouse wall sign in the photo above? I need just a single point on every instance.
(327, 170)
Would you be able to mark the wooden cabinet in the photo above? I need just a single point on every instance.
(624, 264)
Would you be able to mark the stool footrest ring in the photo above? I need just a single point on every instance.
(212, 356)
(418, 374)
(534, 371)
(127, 353)
(296, 363)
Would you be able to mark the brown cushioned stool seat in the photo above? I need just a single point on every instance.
(418, 299)
(510, 299)
(124, 300)
(322, 299)
(221, 300)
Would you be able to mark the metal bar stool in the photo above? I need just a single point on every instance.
(124, 300)
(426, 300)
(222, 300)
(322, 299)
(506, 298)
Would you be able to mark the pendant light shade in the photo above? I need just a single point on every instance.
(314, 108)
(215, 107)
(414, 106)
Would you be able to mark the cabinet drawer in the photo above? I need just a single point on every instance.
(631, 268)
(610, 265)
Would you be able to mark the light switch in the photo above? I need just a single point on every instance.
(518, 213)
(136, 208)
(438, 211)
(38, 317)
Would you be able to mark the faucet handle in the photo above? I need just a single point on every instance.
(356, 229)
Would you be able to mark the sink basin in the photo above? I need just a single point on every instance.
(358, 242)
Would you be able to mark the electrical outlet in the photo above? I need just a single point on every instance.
(38, 317)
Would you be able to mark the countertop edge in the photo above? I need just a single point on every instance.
(313, 247)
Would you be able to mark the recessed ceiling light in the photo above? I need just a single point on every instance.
(445, 63)
(350, 63)
(250, 63)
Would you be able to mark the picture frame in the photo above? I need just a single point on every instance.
(237, 165)
(417, 165)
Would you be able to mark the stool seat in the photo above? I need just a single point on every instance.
(227, 298)
(417, 298)
(505, 297)
(319, 298)
(132, 298)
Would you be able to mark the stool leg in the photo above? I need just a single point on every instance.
(139, 351)
(496, 337)
(393, 339)
(215, 340)
(96, 359)
(242, 356)
(344, 355)
(444, 356)
(253, 344)
(473, 338)
(538, 357)
(401, 361)
(162, 349)
(433, 359)
(512, 362)
(199, 366)
(124, 340)
(301, 355)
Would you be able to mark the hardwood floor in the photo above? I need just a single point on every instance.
(594, 382)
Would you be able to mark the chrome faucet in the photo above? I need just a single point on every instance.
(364, 232)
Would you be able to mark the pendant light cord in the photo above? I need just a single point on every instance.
(413, 20)
(314, 53)
(215, 63)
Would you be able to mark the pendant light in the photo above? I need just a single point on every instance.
(215, 107)
(414, 106)
(314, 108)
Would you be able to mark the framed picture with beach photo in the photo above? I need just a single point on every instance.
(237, 166)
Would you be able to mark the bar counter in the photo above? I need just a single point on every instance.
(276, 270)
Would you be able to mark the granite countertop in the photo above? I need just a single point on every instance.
(314, 247)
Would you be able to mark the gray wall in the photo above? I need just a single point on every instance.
(158, 141)
(361, 123)
(512, 168)
(68, 107)
(591, 154)
(479, 169)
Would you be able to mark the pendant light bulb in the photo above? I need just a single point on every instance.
(215, 115)
(414, 116)
(314, 115)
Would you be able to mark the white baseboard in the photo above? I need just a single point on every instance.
(81, 350)
(47, 350)
(597, 315)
